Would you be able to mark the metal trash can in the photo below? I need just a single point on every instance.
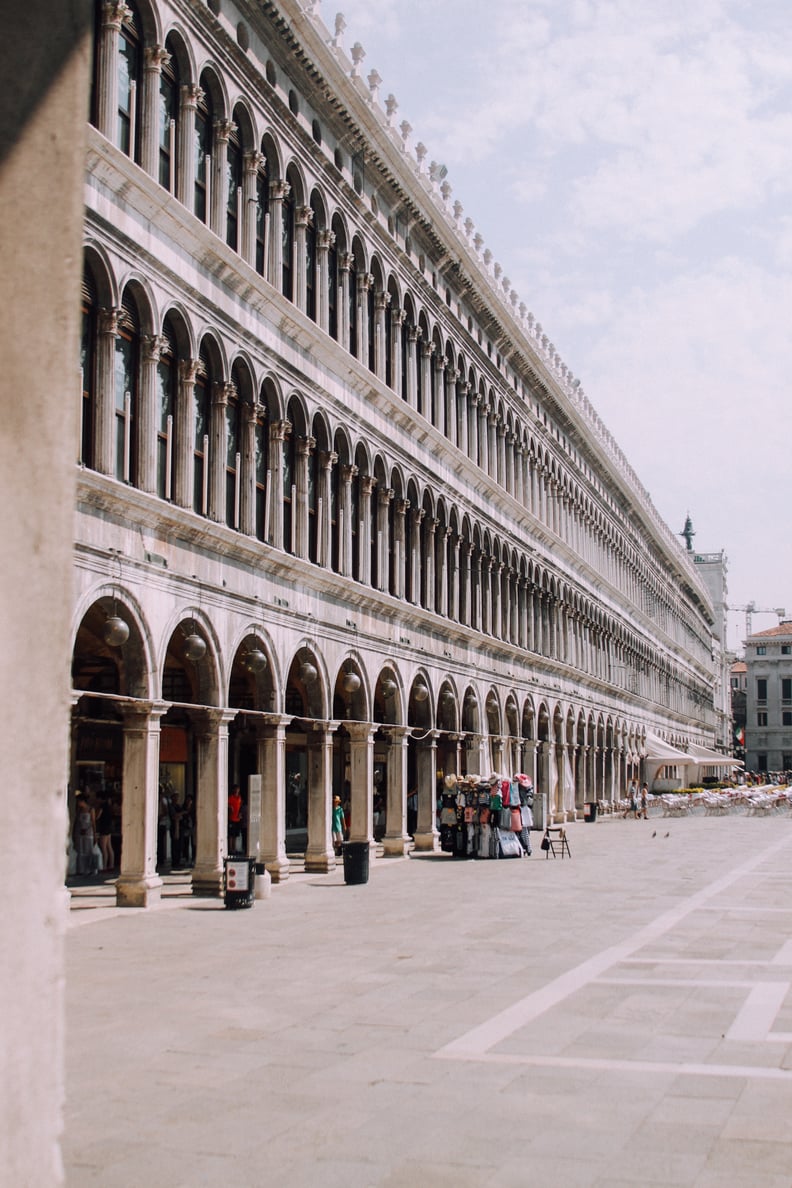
(239, 881)
(356, 862)
(590, 811)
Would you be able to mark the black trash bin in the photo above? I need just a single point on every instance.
(356, 862)
(590, 811)
(239, 881)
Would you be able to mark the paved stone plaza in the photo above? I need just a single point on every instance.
(620, 1018)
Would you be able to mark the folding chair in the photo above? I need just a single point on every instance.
(560, 841)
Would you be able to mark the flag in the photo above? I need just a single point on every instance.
(739, 735)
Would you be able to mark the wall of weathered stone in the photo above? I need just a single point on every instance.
(44, 64)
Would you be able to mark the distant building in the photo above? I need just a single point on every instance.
(768, 727)
(738, 681)
(712, 569)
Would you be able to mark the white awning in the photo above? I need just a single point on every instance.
(705, 757)
(660, 751)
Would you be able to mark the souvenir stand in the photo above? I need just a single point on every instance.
(486, 818)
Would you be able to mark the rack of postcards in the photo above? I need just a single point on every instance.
(486, 817)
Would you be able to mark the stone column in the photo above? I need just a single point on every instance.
(324, 241)
(381, 303)
(413, 338)
(348, 473)
(364, 282)
(189, 98)
(271, 735)
(483, 436)
(139, 884)
(278, 191)
(427, 351)
(361, 771)
(154, 58)
(397, 322)
(529, 759)
(366, 487)
(273, 519)
(452, 378)
(439, 403)
(252, 162)
(414, 594)
(319, 853)
(211, 799)
(251, 411)
(104, 427)
(324, 529)
(345, 261)
(499, 440)
(218, 431)
(217, 216)
(454, 608)
(184, 425)
(305, 447)
(464, 413)
(113, 15)
(429, 561)
(396, 835)
(444, 607)
(509, 453)
(303, 216)
(497, 599)
(465, 587)
(151, 348)
(400, 546)
(384, 497)
(477, 600)
(426, 831)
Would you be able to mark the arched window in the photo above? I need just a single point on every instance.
(313, 502)
(204, 121)
(288, 491)
(130, 63)
(233, 413)
(169, 120)
(262, 217)
(332, 290)
(201, 391)
(165, 409)
(233, 204)
(352, 308)
(310, 263)
(287, 244)
(261, 462)
(127, 351)
(88, 371)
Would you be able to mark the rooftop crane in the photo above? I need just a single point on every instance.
(752, 609)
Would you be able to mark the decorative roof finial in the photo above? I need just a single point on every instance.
(688, 533)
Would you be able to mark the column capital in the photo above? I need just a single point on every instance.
(253, 160)
(153, 346)
(224, 129)
(191, 94)
(414, 333)
(325, 239)
(328, 459)
(222, 392)
(279, 190)
(108, 321)
(305, 445)
(428, 349)
(346, 261)
(367, 483)
(398, 316)
(280, 430)
(303, 216)
(382, 300)
(348, 472)
(188, 370)
(385, 495)
(115, 12)
(155, 57)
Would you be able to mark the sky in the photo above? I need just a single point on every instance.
(629, 164)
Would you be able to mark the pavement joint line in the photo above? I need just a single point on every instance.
(479, 1040)
(588, 1063)
(758, 1012)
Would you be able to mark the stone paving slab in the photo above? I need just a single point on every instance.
(623, 1017)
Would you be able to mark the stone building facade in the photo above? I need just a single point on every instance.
(345, 520)
(768, 699)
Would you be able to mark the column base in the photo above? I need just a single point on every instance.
(393, 847)
(138, 892)
(207, 882)
(278, 869)
(426, 841)
(320, 863)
